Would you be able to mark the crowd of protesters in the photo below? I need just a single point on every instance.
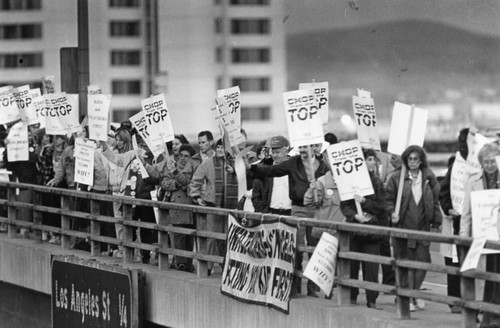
(301, 185)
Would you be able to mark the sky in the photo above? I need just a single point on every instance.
(481, 16)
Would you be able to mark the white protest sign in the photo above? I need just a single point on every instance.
(98, 115)
(366, 122)
(61, 113)
(227, 122)
(460, 172)
(484, 208)
(407, 128)
(475, 142)
(18, 146)
(472, 259)
(158, 119)
(48, 84)
(302, 118)
(38, 105)
(232, 97)
(349, 169)
(321, 267)
(94, 89)
(9, 112)
(84, 161)
(139, 122)
(24, 99)
(322, 97)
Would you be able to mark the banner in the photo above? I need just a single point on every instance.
(84, 161)
(139, 123)
(227, 122)
(485, 205)
(48, 84)
(366, 121)
(232, 97)
(259, 263)
(349, 169)
(9, 111)
(321, 267)
(158, 119)
(407, 128)
(61, 113)
(302, 118)
(18, 146)
(322, 97)
(98, 115)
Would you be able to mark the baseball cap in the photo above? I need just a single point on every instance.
(278, 142)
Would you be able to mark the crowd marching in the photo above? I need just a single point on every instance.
(278, 182)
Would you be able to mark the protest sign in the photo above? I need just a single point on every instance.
(158, 119)
(139, 122)
(61, 113)
(98, 115)
(259, 263)
(321, 267)
(322, 97)
(38, 105)
(228, 122)
(48, 84)
(302, 118)
(84, 161)
(366, 122)
(484, 207)
(349, 169)
(18, 146)
(460, 172)
(232, 97)
(472, 259)
(407, 128)
(94, 89)
(24, 98)
(9, 112)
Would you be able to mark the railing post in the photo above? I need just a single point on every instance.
(12, 212)
(468, 292)
(37, 216)
(201, 245)
(95, 227)
(402, 277)
(162, 240)
(128, 233)
(65, 222)
(344, 268)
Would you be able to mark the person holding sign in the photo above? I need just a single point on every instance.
(373, 212)
(419, 211)
(487, 178)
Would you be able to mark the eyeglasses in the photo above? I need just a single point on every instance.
(413, 159)
(489, 162)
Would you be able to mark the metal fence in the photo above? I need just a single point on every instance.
(13, 208)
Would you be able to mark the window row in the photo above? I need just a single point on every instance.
(20, 31)
(124, 3)
(8, 60)
(125, 28)
(20, 4)
(245, 26)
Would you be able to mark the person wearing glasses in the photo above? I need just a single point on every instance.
(419, 210)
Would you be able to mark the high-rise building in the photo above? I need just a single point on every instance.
(185, 48)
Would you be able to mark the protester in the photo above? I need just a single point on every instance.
(174, 146)
(487, 178)
(453, 281)
(419, 210)
(205, 142)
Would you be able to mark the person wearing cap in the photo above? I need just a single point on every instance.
(301, 171)
(270, 195)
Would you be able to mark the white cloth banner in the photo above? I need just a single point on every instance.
(158, 119)
(232, 97)
(84, 161)
(349, 169)
(61, 113)
(18, 146)
(98, 116)
(322, 97)
(228, 121)
(321, 267)
(366, 122)
(406, 121)
(139, 122)
(9, 112)
(259, 263)
(484, 207)
(302, 118)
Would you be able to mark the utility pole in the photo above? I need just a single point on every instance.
(83, 55)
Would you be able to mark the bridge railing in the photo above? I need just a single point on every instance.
(12, 217)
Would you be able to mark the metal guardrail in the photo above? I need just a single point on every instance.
(470, 307)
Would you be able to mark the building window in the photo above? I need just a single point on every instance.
(20, 31)
(21, 60)
(20, 4)
(255, 113)
(219, 83)
(124, 3)
(219, 25)
(125, 58)
(121, 115)
(250, 55)
(126, 87)
(219, 55)
(252, 84)
(32, 84)
(250, 2)
(250, 26)
(130, 28)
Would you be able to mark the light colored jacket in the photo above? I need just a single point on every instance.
(474, 183)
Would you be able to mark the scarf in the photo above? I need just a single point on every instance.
(226, 185)
(416, 187)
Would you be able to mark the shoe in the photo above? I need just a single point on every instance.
(420, 304)
(455, 309)
(413, 308)
(374, 306)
